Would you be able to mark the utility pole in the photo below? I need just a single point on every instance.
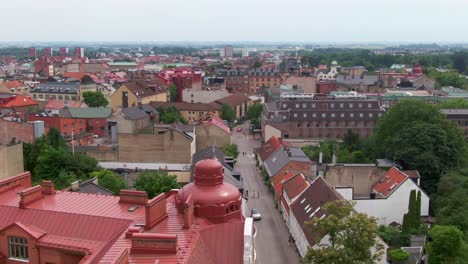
(73, 143)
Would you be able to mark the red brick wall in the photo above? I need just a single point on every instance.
(64, 125)
(23, 132)
(97, 126)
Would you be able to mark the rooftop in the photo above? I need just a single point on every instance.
(57, 87)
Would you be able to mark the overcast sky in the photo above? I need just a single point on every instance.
(235, 20)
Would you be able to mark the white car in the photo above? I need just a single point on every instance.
(256, 214)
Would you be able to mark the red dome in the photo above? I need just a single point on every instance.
(417, 69)
(212, 198)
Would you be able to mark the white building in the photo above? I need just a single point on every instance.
(390, 197)
(308, 205)
(331, 75)
(203, 96)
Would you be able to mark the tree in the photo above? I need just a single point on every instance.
(173, 93)
(155, 182)
(351, 236)
(110, 180)
(398, 255)
(95, 99)
(351, 139)
(418, 136)
(452, 198)
(449, 78)
(170, 115)
(457, 103)
(254, 113)
(412, 219)
(445, 244)
(394, 237)
(228, 113)
(231, 150)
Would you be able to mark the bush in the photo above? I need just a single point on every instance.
(155, 182)
(398, 254)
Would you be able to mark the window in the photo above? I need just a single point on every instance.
(313, 105)
(285, 105)
(371, 115)
(361, 115)
(304, 115)
(360, 105)
(284, 117)
(297, 105)
(342, 115)
(299, 124)
(295, 114)
(351, 105)
(369, 105)
(332, 114)
(332, 105)
(304, 105)
(341, 105)
(314, 115)
(324, 115)
(18, 248)
(351, 114)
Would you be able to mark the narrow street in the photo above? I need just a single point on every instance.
(271, 242)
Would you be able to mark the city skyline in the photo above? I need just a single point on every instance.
(358, 21)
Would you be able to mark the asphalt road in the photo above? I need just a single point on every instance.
(271, 242)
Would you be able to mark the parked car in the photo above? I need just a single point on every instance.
(256, 214)
(239, 129)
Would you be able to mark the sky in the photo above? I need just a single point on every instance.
(235, 20)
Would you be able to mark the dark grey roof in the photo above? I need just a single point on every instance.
(218, 154)
(358, 79)
(282, 157)
(184, 128)
(57, 87)
(91, 186)
(134, 113)
(149, 109)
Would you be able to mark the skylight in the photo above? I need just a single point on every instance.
(303, 200)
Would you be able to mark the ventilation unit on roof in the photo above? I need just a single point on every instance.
(393, 186)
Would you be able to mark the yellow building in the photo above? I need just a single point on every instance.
(140, 91)
(11, 160)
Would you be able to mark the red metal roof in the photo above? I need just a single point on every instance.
(75, 75)
(390, 181)
(12, 84)
(96, 225)
(18, 101)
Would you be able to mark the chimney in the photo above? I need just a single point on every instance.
(75, 185)
(153, 243)
(133, 197)
(320, 157)
(188, 212)
(48, 187)
(29, 196)
(372, 195)
(155, 211)
(132, 230)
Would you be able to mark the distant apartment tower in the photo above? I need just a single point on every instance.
(63, 52)
(79, 52)
(245, 53)
(32, 52)
(228, 51)
(48, 52)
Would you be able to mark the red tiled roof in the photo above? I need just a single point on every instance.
(279, 185)
(18, 101)
(268, 148)
(75, 75)
(12, 84)
(233, 100)
(213, 119)
(60, 104)
(390, 181)
(295, 185)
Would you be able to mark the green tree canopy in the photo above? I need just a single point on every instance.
(351, 236)
(228, 113)
(110, 180)
(398, 254)
(170, 115)
(95, 99)
(457, 103)
(445, 244)
(231, 150)
(449, 78)
(254, 114)
(418, 136)
(173, 93)
(452, 198)
(155, 182)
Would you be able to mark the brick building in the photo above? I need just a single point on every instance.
(235, 80)
(44, 225)
(52, 90)
(319, 117)
(15, 128)
(458, 116)
(263, 78)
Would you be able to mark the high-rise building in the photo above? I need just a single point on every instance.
(79, 52)
(63, 52)
(48, 52)
(32, 52)
(245, 53)
(228, 51)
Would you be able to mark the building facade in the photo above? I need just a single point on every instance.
(320, 117)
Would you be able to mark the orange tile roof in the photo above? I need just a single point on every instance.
(295, 185)
(390, 181)
(18, 101)
(75, 75)
(12, 84)
(268, 148)
(279, 185)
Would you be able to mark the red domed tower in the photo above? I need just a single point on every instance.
(417, 69)
(212, 198)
